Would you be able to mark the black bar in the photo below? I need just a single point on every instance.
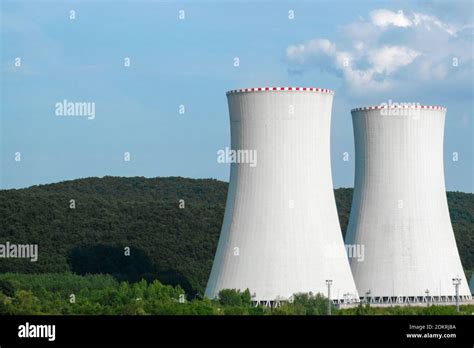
(133, 330)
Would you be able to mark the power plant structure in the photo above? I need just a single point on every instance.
(281, 233)
(399, 210)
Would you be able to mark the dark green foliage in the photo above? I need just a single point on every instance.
(173, 245)
(7, 287)
(461, 209)
(107, 259)
(343, 203)
(305, 304)
(113, 212)
(233, 297)
(174, 278)
(103, 295)
(63, 284)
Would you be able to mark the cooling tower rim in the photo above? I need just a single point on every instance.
(399, 106)
(279, 89)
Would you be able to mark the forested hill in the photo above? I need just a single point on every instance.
(167, 241)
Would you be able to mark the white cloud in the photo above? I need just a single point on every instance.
(363, 81)
(384, 18)
(359, 45)
(429, 21)
(383, 61)
(390, 50)
(389, 59)
(344, 59)
(301, 53)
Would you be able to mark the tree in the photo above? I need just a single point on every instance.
(234, 297)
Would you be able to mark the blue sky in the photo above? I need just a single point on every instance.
(403, 56)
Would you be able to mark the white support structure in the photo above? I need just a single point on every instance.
(281, 233)
(399, 210)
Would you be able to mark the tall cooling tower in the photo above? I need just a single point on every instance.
(399, 209)
(281, 232)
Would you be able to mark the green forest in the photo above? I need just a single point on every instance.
(161, 230)
(71, 294)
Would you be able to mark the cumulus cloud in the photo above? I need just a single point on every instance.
(384, 18)
(389, 59)
(391, 49)
(428, 21)
(383, 61)
(301, 53)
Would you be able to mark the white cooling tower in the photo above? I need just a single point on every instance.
(281, 232)
(399, 209)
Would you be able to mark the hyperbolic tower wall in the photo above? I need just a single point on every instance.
(399, 209)
(281, 233)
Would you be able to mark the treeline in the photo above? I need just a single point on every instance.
(138, 228)
(69, 294)
(171, 226)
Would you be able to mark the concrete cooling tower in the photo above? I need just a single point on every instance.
(399, 210)
(281, 233)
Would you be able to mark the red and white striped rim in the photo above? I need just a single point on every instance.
(271, 89)
(399, 106)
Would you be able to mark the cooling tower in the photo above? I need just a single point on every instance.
(281, 232)
(399, 209)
